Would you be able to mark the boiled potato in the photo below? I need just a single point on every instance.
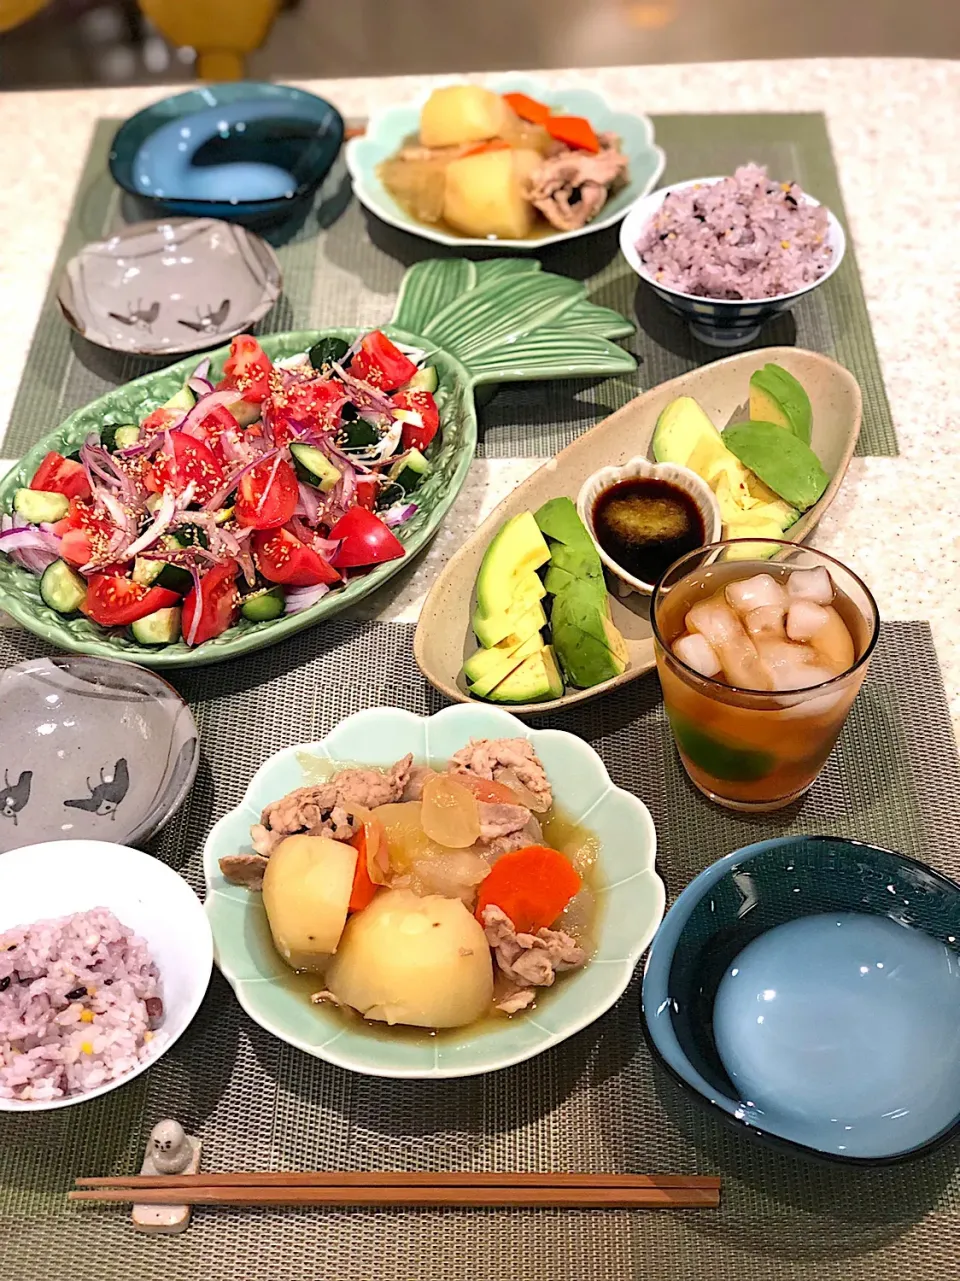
(484, 195)
(420, 961)
(306, 891)
(462, 113)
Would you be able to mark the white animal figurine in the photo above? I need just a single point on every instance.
(169, 1151)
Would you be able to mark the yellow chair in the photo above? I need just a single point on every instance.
(223, 32)
(13, 12)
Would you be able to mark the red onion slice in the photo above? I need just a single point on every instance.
(302, 598)
(191, 424)
(398, 515)
(309, 503)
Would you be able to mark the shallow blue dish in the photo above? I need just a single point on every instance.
(246, 152)
(807, 989)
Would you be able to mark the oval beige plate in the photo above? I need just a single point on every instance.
(444, 637)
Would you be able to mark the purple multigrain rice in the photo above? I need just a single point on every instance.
(74, 1007)
(744, 237)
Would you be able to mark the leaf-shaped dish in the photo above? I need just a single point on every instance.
(389, 130)
(630, 899)
(480, 323)
(444, 637)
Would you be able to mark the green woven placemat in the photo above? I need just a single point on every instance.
(595, 1103)
(342, 266)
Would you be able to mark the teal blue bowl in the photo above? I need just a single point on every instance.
(389, 130)
(245, 152)
(630, 901)
(806, 990)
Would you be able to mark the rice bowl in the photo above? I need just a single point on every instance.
(110, 932)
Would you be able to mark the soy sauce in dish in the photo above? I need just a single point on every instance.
(645, 524)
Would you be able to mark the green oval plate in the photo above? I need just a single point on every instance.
(491, 322)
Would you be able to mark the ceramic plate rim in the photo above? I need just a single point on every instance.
(622, 973)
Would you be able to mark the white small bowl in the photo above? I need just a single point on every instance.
(719, 322)
(58, 878)
(682, 477)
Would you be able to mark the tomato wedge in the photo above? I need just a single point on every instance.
(248, 368)
(381, 364)
(114, 601)
(313, 405)
(267, 495)
(80, 530)
(192, 461)
(284, 558)
(59, 475)
(159, 420)
(368, 487)
(532, 886)
(365, 540)
(218, 604)
(422, 403)
(217, 421)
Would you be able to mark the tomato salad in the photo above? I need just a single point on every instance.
(250, 499)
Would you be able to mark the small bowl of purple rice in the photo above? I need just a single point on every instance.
(105, 956)
(728, 254)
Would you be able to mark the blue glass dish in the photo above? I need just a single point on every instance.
(245, 152)
(807, 991)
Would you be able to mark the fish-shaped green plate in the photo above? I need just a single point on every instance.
(503, 320)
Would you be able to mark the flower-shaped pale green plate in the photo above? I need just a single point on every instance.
(389, 130)
(498, 321)
(630, 901)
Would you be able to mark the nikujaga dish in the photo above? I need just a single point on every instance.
(426, 897)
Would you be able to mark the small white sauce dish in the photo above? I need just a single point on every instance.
(643, 468)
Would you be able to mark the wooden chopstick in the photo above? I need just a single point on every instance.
(400, 1179)
(473, 1197)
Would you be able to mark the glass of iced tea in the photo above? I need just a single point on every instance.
(761, 648)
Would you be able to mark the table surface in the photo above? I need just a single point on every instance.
(895, 520)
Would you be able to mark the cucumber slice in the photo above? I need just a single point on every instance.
(62, 588)
(261, 607)
(313, 466)
(146, 572)
(425, 379)
(162, 627)
(410, 472)
(357, 434)
(119, 436)
(182, 399)
(326, 351)
(156, 573)
(39, 506)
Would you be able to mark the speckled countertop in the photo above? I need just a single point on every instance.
(896, 520)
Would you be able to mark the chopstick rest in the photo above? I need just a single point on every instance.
(169, 1151)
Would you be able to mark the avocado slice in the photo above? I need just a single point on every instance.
(558, 519)
(516, 551)
(777, 397)
(781, 460)
(681, 428)
(557, 580)
(589, 646)
(505, 664)
(535, 680)
(483, 661)
(513, 629)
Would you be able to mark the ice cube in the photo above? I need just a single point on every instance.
(765, 620)
(697, 652)
(716, 621)
(790, 666)
(811, 584)
(753, 593)
(805, 618)
(833, 642)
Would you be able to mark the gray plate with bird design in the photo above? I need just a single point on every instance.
(171, 286)
(90, 747)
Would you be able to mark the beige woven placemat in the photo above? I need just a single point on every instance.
(596, 1102)
(342, 266)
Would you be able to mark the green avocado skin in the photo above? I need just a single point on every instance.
(781, 460)
(789, 394)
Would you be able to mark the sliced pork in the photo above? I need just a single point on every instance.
(530, 960)
(244, 869)
(571, 187)
(502, 759)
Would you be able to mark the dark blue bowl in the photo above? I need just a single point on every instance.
(858, 992)
(245, 152)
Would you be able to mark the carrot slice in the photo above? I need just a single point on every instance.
(527, 108)
(485, 789)
(363, 890)
(575, 131)
(532, 886)
(497, 144)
